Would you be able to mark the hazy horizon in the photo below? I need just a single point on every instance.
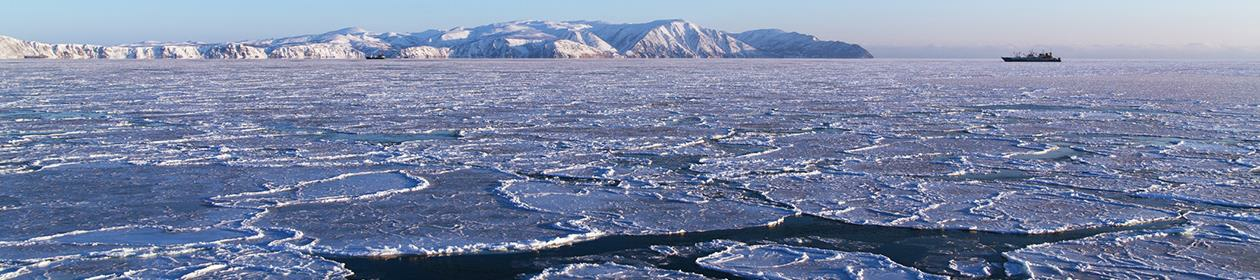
(890, 29)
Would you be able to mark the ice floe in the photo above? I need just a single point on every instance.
(996, 207)
(617, 210)
(208, 161)
(792, 262)
(612, 271)
(458, 213)
(1210, 245)
(183, 262)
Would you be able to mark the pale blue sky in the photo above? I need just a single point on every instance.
(893, 28)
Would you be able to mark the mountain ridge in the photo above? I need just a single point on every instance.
(671, 38)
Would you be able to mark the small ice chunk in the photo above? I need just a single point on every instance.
(698, 249)
(971, 267)
(791, 262)
(612, 271)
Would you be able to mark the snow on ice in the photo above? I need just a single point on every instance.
(257, 169)
(792, 262)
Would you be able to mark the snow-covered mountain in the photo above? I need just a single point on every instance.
(671, 38)
(518, 39)
(779, 43)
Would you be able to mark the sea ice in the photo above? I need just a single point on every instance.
(211, 261)
(792, 262)
(986, 206)
(612, 271)
(972, 268)
(1238, 194)
(621, 210)
(209, 161)
(1211, 245)
(458, 213)
(92, 197)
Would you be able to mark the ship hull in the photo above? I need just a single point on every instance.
(1031, 59)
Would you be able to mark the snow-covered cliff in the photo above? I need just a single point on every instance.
(424, 52)
(11, 48)
(518, 39)
(671, 39)
(234, 51)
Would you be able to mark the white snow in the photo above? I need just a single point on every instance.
(424, 52)
(316, 51)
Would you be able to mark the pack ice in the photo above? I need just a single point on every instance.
(271, 169)
(1210, 245)
(612, 271)
(791, 262)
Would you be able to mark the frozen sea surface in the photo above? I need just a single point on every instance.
(791, 262)
(1211, 245)
(612, 271)
(607, 169)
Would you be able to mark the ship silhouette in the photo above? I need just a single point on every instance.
(1032, 57)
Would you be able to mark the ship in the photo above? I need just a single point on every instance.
(1032, 57)
(375, 57)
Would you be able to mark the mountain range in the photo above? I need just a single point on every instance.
(517, 39)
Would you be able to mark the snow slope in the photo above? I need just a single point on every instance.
(517, 39)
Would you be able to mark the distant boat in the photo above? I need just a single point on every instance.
(375, 57)
(36, 57)
(1032, 57)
